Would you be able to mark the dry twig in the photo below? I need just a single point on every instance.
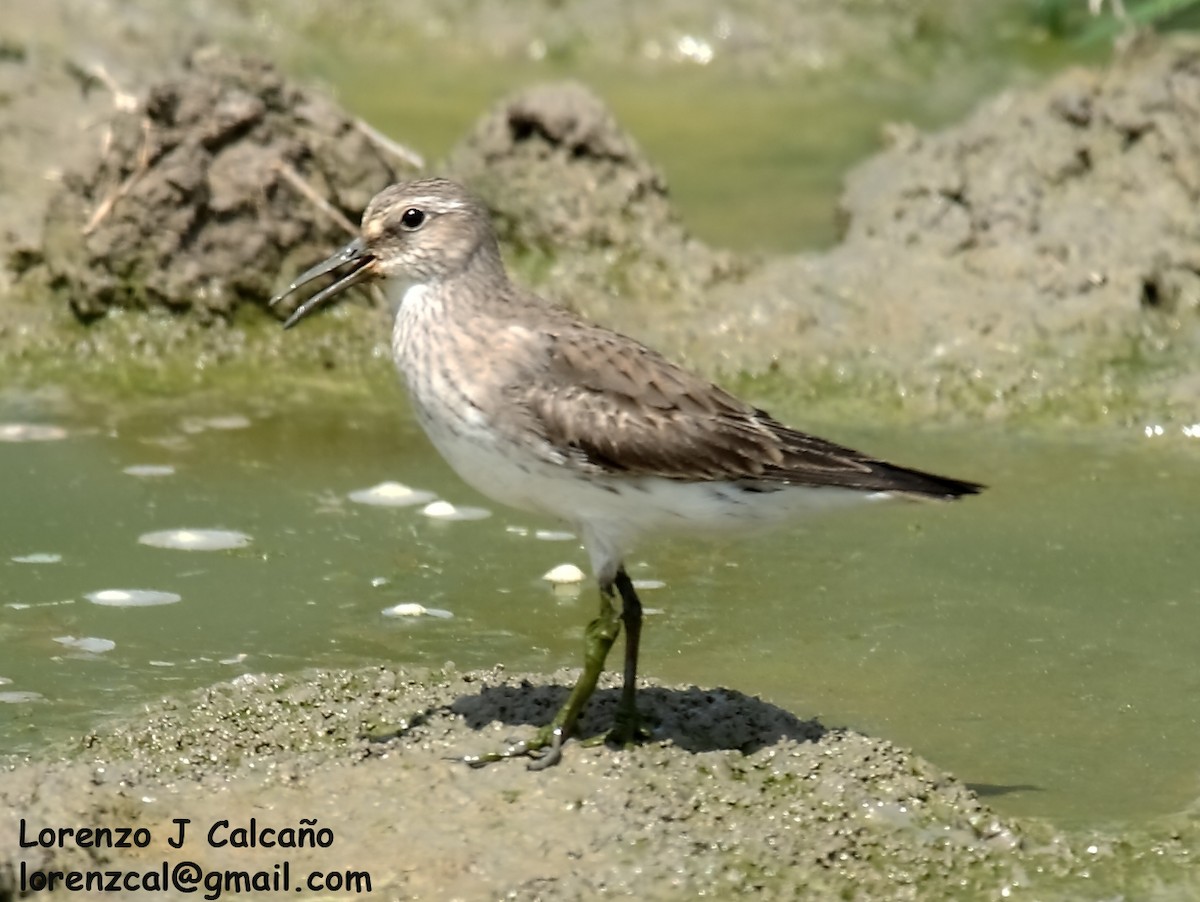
(405, 154)
(143, 165)
(122, 99)
(297, 181)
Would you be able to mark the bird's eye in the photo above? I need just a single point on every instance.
(412, 218)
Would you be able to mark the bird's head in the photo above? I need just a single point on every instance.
(424, 231)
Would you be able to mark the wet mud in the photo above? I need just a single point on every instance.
(731, 797)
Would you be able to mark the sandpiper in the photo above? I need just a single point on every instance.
(543, 411)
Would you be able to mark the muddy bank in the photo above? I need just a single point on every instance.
(227, 179)
(1035, 261)
(733, 796)
(222, 179)
(67, 65)
(582, 210)
(1038, 259)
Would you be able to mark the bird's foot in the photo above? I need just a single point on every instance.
(627, 729)
(545, 749)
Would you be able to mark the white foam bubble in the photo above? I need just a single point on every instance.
(564, 574)
(91, 644)
(31, 432)
(391, 494)
(553, 535)
(37, 558)
(444, 510)
(132, 598)
(24, 606)
(196, 539)
(17, 698)
(231, 421)
(412, 609)
(150, 470)
(648, 584)
(194, 425)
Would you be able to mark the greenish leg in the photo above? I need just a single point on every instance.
(598, 639)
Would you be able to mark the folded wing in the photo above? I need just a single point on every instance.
(621, 408)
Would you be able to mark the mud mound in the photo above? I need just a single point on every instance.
(1041, 256)
(562, 172)
(572, 191)
(733, 797)
(1088, 187)
(206, 192)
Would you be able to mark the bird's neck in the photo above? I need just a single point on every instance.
(481, 285)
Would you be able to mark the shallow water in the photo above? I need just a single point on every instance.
(1037, 641)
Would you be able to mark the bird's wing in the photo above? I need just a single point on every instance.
(616, 407)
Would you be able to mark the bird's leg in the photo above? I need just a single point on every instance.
(598, 639)
(627, 723)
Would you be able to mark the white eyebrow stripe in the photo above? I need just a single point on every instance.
(432, 200)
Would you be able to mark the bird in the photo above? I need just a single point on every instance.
(544, 411)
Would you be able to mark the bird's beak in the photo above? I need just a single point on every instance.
(355, 255)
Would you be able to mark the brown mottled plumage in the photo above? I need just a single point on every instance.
(628, 410)
(543, 411)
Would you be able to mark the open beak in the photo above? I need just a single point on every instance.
(354, 255)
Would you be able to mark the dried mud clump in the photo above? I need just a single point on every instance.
(1086, 189)
(1039, 258)
(572, 190)
(561, 171)
(198, 199)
